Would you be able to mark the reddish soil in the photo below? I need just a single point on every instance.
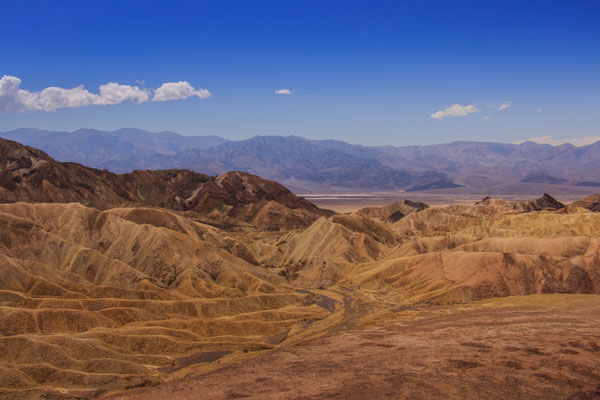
(525, 347)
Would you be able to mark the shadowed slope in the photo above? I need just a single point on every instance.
(322, 254)
(30, 175)
(591, 203)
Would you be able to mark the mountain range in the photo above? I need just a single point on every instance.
(28, 174)
(310, 166)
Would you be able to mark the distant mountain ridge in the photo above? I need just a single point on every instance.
(312, 165)
(122, 150)
(30, 175)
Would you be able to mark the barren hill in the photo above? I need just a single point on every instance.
(591, 203)
(393, 212)
(172, 278)
(31, 175)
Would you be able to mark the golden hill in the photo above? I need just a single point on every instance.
(90, 299)
(112, 284)
(393, 212)
(130, 296)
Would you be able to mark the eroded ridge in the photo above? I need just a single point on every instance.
(99, 295)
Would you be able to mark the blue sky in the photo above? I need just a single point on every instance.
(371, 72)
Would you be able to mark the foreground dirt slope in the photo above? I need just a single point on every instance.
(532, 347)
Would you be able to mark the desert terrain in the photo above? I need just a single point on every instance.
(164, 283)
(299, 200)
(535, 347)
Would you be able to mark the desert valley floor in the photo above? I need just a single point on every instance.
(537, 347)
(158, 284)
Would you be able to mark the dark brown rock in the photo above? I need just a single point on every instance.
(30, 175)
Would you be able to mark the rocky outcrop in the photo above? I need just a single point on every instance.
(591, 203)
(546, 202)
(30, 175)
(393, 212)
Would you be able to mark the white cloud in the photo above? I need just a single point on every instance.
(178, 91)
(15, 100)
(51, 98)
(12, 99)
(538, 109)
(455, 110)
(582, 141)
(505, 105)
(113, 93)
(284, 91)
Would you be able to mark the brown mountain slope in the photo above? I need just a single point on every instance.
(393, 212)
(591, 203)
(486, 221)
(546, 202)
(151, 284)
(30, 175)
(454, 254)
(485, 268)
(322, 254)
(91, 300)
(113, 299)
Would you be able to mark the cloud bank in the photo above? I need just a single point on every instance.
(582, 141)
(455, 110)
(284, 91)
(13, 99)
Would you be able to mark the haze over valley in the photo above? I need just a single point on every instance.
(449, 172)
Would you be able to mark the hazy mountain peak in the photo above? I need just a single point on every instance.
(307, 164)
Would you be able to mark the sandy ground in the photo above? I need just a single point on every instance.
(523, 347)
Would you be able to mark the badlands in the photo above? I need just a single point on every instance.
(157, 284)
